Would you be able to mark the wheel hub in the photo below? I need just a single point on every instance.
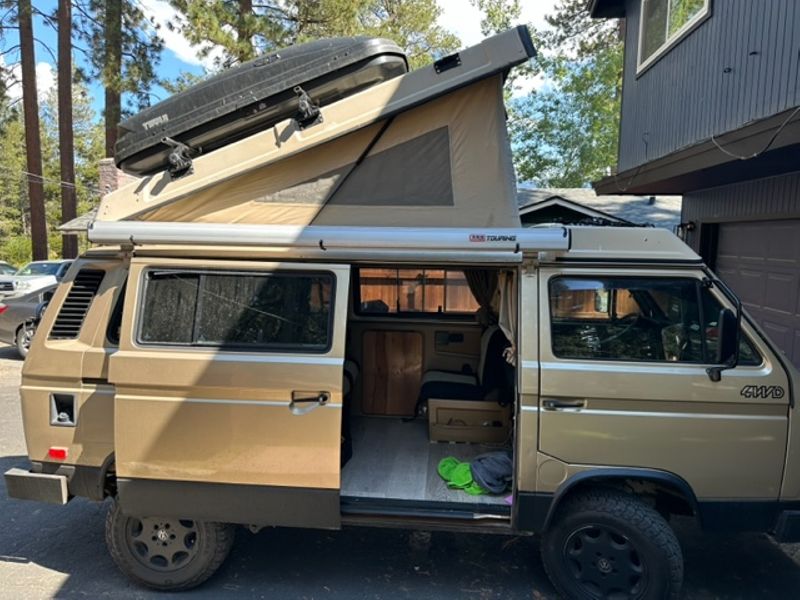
(162, 544)
(605, 563)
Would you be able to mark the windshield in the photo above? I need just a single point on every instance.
(7, 270)
(42, 268)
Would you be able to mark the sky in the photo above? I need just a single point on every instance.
(458, 16)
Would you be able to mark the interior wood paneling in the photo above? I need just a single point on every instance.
(392, 371)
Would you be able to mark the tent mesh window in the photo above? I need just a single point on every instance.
(412, 173)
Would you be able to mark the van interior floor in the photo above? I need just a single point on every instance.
(393, 459)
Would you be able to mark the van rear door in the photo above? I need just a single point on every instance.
(229, 391)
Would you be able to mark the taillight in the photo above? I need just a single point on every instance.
(57, 453)
(3, 308)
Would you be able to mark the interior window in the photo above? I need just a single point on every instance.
(637, 319)
(284, 310)
(414, 291)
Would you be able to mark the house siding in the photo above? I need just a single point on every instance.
(740, 65)
(757, 200)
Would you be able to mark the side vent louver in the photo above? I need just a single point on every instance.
(70, 318)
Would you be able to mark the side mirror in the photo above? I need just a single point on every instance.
(728, 345)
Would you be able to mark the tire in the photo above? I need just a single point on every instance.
(179, 555)
(23, 338)
(608, 544)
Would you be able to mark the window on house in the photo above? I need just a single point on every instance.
(664, 21)
(279, 310)
(637, 319)
(414, 291)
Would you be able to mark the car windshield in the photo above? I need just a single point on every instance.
(39, 268)
(7, 270)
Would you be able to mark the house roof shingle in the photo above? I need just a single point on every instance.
(661, 211)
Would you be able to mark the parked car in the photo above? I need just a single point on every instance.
(20, 315)
(6, 268)
(34, 276)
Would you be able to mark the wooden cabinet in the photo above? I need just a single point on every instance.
(392, 372)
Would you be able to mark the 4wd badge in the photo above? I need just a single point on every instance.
(762, 391)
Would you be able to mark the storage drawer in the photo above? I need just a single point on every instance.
(468, 421)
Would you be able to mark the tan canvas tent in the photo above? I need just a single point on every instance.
(427, 149)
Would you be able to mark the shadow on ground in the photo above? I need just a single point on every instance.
(352, 564)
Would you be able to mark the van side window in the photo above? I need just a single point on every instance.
(276, 310)
(637, 319)
(414, 291)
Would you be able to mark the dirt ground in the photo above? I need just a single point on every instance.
(51, 551)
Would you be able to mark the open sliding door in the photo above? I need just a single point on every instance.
(229, 391)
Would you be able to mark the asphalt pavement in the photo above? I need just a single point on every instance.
(52, 551)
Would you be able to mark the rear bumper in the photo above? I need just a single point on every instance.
(44, 487)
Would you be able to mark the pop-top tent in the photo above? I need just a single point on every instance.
(424, 149)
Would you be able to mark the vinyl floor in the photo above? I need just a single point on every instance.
(394, 459)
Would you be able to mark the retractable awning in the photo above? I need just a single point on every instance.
(459, 244)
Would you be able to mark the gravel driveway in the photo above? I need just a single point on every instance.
(50, 551)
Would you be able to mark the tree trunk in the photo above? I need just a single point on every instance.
(243, 35)
(33, 144)
(65, 133)
(113, 71)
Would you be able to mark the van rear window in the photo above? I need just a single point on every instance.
(276, 310)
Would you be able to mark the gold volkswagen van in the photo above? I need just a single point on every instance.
(320, 326)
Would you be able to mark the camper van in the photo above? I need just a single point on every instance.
(339, 321)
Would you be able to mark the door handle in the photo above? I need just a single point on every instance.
(305, 402)
(564, 404)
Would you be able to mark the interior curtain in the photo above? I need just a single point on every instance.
(508, 314)
(483, 285)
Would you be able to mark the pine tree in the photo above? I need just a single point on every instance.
(33, 149)
(565, 133)
(242, 29)
(65, 125)
(124, 47)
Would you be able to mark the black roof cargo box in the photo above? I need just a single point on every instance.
(254, 96)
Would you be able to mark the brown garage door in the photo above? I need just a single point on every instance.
(761, 261)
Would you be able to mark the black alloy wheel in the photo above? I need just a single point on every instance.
(606, 543)
(605, 563)
(162, 544)
(166, 553)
